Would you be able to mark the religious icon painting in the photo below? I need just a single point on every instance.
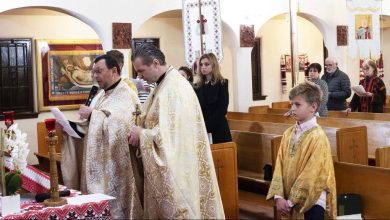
(121, 35)
(64, 72)
(363, 27)
(287, 61)
(247, 35)
(342, 35)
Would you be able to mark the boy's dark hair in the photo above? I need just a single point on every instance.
(147, 53)
(316, 66)
(110, 62)
(188, 72)
(311, 92)
(117, 55)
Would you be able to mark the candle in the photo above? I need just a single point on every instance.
(8, 118)
(50, 125)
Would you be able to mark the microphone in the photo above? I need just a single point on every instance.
(42, 196)
(92, 94)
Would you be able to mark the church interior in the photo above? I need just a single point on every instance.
(257, 95)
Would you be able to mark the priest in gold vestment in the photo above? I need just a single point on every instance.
(303, 179)
(180, 180)
(101, 161)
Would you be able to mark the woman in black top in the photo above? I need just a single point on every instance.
(212, 91)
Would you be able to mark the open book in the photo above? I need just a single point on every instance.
(359, 90)
(63, 121)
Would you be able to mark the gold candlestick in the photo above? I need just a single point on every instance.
(52, 140)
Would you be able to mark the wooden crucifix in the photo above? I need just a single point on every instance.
(201, 22)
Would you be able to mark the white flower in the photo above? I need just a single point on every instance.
(16, 143)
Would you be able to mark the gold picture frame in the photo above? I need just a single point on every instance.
(64, 72)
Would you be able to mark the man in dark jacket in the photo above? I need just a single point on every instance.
(339, 85)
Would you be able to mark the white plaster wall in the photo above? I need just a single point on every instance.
(100, 15)
(275, 37)
(42, 27)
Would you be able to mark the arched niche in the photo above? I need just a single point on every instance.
(168, 28)
(275, 38)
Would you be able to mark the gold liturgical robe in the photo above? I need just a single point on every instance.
(180, 180)
(105, 165)
(303, 170)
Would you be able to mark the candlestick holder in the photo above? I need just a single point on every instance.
(8, 118)
(52, 140)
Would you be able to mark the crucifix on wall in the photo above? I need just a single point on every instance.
(202, 29)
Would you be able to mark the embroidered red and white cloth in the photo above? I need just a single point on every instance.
(34, 180)
(91, 210)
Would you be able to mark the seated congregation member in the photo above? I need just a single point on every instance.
(187, 73)
(303, 183)
(213, 94)
(100, 162)
(314, 76)
(180, 180)
(375, 97)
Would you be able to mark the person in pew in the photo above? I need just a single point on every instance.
(101, 161)
(213, 94)
(339, 85)
(303, 183)
(314, 70)
(180, 180)
(187, 73)
(375, 97)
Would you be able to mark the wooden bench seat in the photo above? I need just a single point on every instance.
(372, 183)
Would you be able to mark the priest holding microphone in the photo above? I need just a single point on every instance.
(100, 162)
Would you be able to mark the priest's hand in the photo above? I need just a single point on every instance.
(134, 136)
(283, 207)
(85, 111)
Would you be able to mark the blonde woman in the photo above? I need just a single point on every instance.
(212, 91)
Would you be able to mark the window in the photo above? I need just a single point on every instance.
(16, 78)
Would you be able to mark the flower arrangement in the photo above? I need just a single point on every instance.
(16, 146)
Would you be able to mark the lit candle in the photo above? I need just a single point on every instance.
(50, 126)
(8, 118)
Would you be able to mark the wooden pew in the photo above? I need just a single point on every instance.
(377, 131)
(253, 152)
(372, 183)
(225, 163)
(284, 104)
(277, 129)
(382, 156)
(352, 146)
(264, 109)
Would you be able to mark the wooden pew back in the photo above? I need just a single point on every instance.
(264, 109)
(278, 129)
(372, 183)
(352, 146)
(225, 163)
(382, 157)
(377, 131)
(284, 104)
(253, 150)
